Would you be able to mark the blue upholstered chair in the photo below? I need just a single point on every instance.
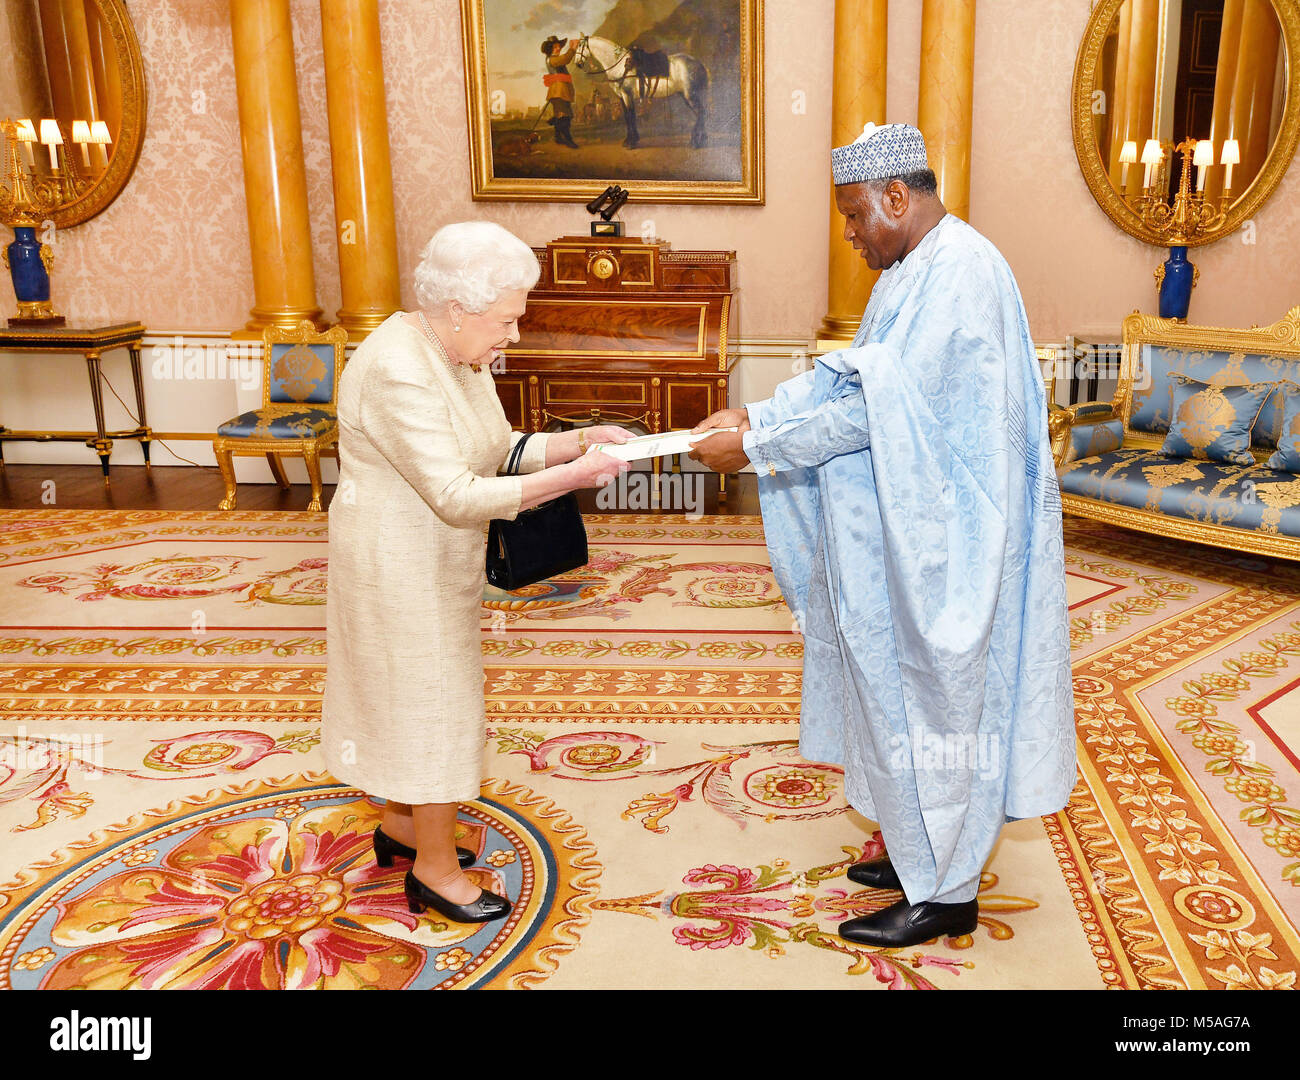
(300, 382)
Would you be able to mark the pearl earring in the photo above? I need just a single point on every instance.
(456, 328)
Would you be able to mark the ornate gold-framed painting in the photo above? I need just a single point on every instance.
(663, 97)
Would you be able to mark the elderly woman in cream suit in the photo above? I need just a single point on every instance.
(421, 438)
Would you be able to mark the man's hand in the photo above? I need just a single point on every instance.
(737, 418)
(722, 452)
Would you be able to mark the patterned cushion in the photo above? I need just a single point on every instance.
(1157, 363)
(279, 424)
(1213, 422)
(301, 373)
(1089, 440)
(1288, 445)
(1258, 498)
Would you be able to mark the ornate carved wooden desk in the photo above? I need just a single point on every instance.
(622, 331)
(90, 342)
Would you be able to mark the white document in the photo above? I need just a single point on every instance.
(660, 445)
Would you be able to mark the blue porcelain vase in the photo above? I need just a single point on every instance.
(31, 282)
(1176, 284)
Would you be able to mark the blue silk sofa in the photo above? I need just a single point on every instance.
(1108, 454)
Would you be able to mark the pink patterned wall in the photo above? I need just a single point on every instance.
(173, 251)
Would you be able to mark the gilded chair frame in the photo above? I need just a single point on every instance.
(1049, 359)
(311, 449)
(1281, 338)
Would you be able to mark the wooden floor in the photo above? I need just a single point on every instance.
(186, 487)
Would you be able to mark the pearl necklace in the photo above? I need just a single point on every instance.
(457, 369)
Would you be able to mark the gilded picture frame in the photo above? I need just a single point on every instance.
(548, 106)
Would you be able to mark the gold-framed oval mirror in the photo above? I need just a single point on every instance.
(77, 65)
(1223, 71)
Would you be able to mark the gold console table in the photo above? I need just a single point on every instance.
(90, 342)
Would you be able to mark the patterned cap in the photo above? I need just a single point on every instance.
(878, 153)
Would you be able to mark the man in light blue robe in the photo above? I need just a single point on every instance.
(913, 521)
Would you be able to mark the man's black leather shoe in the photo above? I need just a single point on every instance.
(903, 924)
(876, 874)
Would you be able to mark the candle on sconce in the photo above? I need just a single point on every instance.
(1151, 157)
(1203, 158)
(81, 136)
(51, 138)
(26, 134)
(1128, 155)
(1231, 156)
(100, 136)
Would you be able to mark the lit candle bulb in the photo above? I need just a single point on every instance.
(1203, 158)
(100, 136)
(1127, 155)
(27, 135)
(50, 137)
(81, 136)
(1151, 157)
(1231, 157)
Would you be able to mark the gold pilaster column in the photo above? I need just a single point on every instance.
(56, 59)
(1252, 92)
(1138, 98)
(1119, 106)
(363, 179)
(77, 42)
(944, 103)
(1225, 76)
(1142, 77)
(861, 48)
(108, 77)
(275, 178)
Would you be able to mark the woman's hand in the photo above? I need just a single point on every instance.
(588, 471)
(568, 445)
(606, 433)
(596, 469)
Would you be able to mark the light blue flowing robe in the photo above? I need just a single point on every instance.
(913, 521)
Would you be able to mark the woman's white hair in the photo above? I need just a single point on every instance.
(473, 263)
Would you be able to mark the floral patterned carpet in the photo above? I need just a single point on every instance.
(167, 822)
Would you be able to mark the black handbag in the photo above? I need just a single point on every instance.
(547, 540)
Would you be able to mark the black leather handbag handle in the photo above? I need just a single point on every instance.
(516, 456)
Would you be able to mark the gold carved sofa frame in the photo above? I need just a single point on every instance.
(1073, 448)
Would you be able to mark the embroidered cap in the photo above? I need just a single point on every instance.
(879, 152)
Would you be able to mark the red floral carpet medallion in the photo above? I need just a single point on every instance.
(164, 820)
(281, 891)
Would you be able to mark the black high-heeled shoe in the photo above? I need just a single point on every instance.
(487, 907)
(386, 848)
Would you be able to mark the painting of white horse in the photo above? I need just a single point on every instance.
(629, 75)
(663, 97)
